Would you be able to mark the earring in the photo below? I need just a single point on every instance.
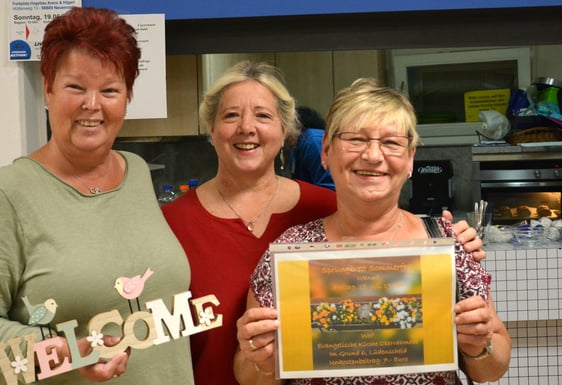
(324, 166)
(410, 175)
(282, 159)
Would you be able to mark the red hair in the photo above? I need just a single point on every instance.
(97, 31)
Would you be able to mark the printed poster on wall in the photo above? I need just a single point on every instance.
(28, 19)
(365, 308)
(149, 92)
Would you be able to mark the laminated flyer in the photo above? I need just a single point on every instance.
(365, 308)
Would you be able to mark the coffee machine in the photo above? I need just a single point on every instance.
(431, 189)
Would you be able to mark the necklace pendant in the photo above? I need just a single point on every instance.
(95, 190)
(250, 226)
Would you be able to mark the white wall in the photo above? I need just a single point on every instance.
(23, 127)
(549, 61)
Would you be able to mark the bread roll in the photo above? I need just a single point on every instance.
(505, 211)
(544, 211)
(523, 211)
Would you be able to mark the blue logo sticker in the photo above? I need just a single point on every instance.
(19, 50)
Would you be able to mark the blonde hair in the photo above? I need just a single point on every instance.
(366, 100)
(265, 74)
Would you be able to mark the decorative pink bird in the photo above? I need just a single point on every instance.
(131, 288)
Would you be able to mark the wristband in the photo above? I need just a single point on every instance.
(485, 353)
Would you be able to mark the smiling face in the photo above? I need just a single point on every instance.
(365, 176)
(369, 175)
(247, 132)
(87, 104)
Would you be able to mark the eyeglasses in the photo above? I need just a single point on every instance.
(389, 145)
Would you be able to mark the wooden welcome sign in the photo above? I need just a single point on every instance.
(156, 316)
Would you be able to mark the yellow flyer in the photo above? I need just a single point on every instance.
(365, 308)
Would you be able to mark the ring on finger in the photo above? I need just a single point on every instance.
(252, 345)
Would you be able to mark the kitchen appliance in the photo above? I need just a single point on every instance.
(431, 189)
(526, 187)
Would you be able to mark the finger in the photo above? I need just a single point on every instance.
(479, 255)
(447, 215)
(260, 342)
(478, 342)
(479, 325)
(474, 244)
(121, 363)
(479, 319)
(115, 367)
(250, 327)
(465, 233)
(111, 340)
(257, 343)
(104, 371)
(470, 303)
(262, 352)
(460, 227)
(259, 313)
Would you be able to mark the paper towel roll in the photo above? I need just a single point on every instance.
(494, 125)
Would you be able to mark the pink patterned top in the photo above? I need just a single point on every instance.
(472, 280)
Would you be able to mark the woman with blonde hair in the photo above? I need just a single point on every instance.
(369, 148)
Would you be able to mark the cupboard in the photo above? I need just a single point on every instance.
(313, 78)
(182, 83)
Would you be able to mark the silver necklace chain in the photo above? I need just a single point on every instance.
(94, 190)
(399, 225)
(250, 225)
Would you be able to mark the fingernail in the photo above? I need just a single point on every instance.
(115, 339)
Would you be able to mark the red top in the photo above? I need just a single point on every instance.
(222, 254)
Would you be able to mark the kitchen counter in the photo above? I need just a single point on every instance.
(514, 245)
(523, 151)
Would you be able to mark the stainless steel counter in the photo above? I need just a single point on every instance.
(513, 245)
(503, 152)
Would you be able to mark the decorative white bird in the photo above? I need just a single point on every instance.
(131, 288)
(41, 314)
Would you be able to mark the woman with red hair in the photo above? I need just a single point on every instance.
(75, 215)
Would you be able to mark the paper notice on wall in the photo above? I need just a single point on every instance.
(149, 92)
(28, 19)
(482, 100)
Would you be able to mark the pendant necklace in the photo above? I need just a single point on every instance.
(95, 190)
(251, 223)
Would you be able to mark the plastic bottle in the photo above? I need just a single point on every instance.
(167, 195)
(193, 183)
(183, 189)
